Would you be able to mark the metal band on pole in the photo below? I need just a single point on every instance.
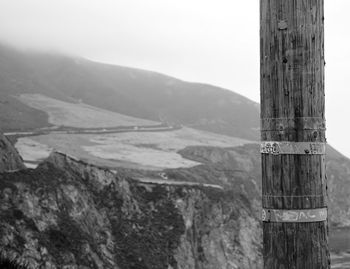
(302, 215)
(277, 148)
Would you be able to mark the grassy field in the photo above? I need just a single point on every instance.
(79, 114)
(142, 150)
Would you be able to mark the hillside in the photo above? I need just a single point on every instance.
(128, 91)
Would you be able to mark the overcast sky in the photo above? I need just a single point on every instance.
(213, 41)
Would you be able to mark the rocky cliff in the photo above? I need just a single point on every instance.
(69, 214)
(9, 157)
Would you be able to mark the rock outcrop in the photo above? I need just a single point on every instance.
(69, 214)
(10, 160)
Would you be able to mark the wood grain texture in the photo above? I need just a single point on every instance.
(292, 90)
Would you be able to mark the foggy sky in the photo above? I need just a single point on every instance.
(212, 41)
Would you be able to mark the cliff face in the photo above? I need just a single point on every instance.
(9, 157)
(68, 214)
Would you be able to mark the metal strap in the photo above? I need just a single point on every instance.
(294, 216)
(279, 148)
(300, 123)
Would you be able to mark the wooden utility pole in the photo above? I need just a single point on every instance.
(294, 188)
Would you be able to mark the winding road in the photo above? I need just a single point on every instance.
(109, 130)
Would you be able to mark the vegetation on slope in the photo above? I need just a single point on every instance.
(128, 91)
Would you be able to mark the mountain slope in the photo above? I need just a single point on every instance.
(124, 90)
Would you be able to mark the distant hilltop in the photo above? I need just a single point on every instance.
(132, 92)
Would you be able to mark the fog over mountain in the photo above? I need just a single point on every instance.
(199, 41)
(133, 92)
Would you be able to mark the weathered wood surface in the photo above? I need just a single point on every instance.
(292, 109)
